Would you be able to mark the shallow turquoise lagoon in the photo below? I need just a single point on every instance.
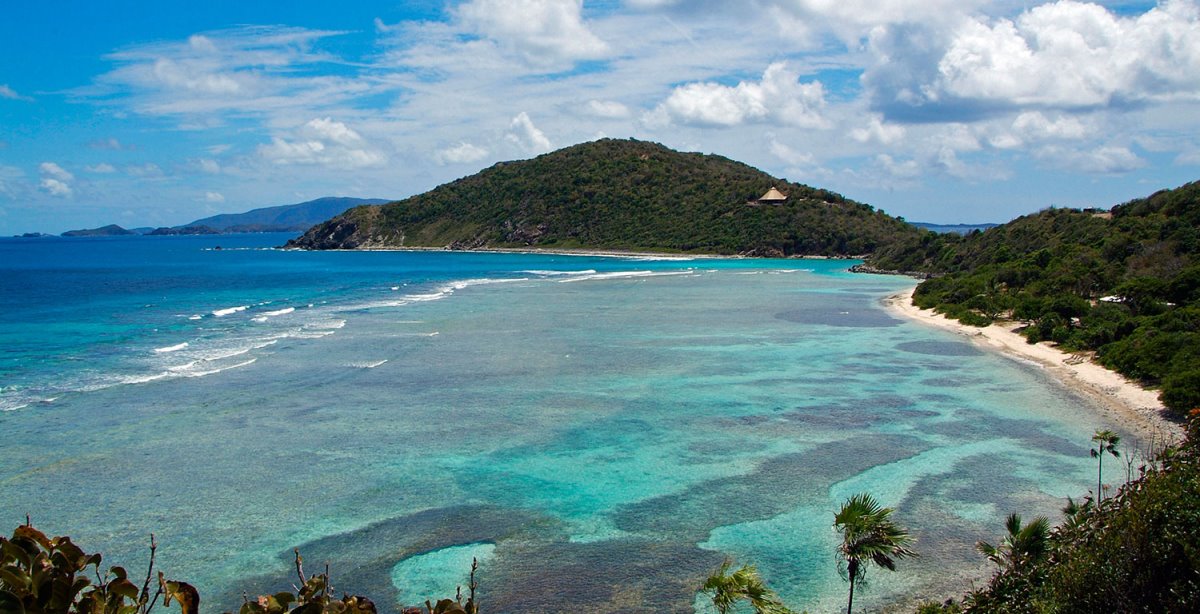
(598, 432)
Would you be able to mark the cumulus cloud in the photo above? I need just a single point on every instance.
(56, 181)
(1062, 55)
(322, 142)
(462, 153)
(541, 31)
(779, 97)
(527, 136)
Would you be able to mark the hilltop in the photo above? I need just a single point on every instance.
(620, 195)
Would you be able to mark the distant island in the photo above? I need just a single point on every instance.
(626, 195)
(282, 218)
(112, 230)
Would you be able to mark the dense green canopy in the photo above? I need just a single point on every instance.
(619, 194)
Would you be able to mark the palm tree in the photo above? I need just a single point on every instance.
(1106, 441)
(868, 535)
(745, 583)
(1023, 544)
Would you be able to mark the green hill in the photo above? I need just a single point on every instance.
(1124, 283)
(623, 195)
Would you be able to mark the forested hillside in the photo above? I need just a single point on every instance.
(1124, 283)
(619, 194)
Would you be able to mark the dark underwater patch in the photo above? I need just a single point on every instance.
(939, 348)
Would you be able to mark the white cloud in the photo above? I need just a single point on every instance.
(1062, 55)
(56, 187)
(214, 197)
(543, 32)
(790, 156)
(322, 142)
(254, 69)
(778, 98)
(1188, 158)
(209, 166)
(527, 136)
(607, 109)
(332, 131)
(102, 168)
(1105, 160)
(906, 169)
(54, 171)
(144, 171)
(876, 131)
(56, 181)
(109, 143)
(462, 153)
(11, 94)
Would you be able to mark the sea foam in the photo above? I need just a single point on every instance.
(230, 310)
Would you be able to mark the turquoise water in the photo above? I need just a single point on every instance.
(599, 432)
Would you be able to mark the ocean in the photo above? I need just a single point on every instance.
(600, 432)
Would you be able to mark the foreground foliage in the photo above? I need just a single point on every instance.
(51, 575)
(726, 589)
(1137, 551)
(1123, 283)
(869, 535)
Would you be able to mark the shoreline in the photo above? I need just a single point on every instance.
(585, 251)
(1124, 402)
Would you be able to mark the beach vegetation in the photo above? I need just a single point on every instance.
(1024, 545)
(1121, 286)
(869, 536)
(1106, 443)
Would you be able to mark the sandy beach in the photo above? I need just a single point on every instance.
(1126, 403)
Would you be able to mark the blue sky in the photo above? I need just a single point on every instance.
(149, 114)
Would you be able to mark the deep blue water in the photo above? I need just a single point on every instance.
(600, 432)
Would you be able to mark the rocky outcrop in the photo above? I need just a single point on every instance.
(338, 233)
(866, 268)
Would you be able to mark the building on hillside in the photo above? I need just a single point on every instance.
(772, 197)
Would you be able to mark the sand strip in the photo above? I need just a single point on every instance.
(1127, 404)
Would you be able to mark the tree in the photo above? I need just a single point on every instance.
(1023, 546)
(868, 536)
(1106, 441)
(727, 589)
